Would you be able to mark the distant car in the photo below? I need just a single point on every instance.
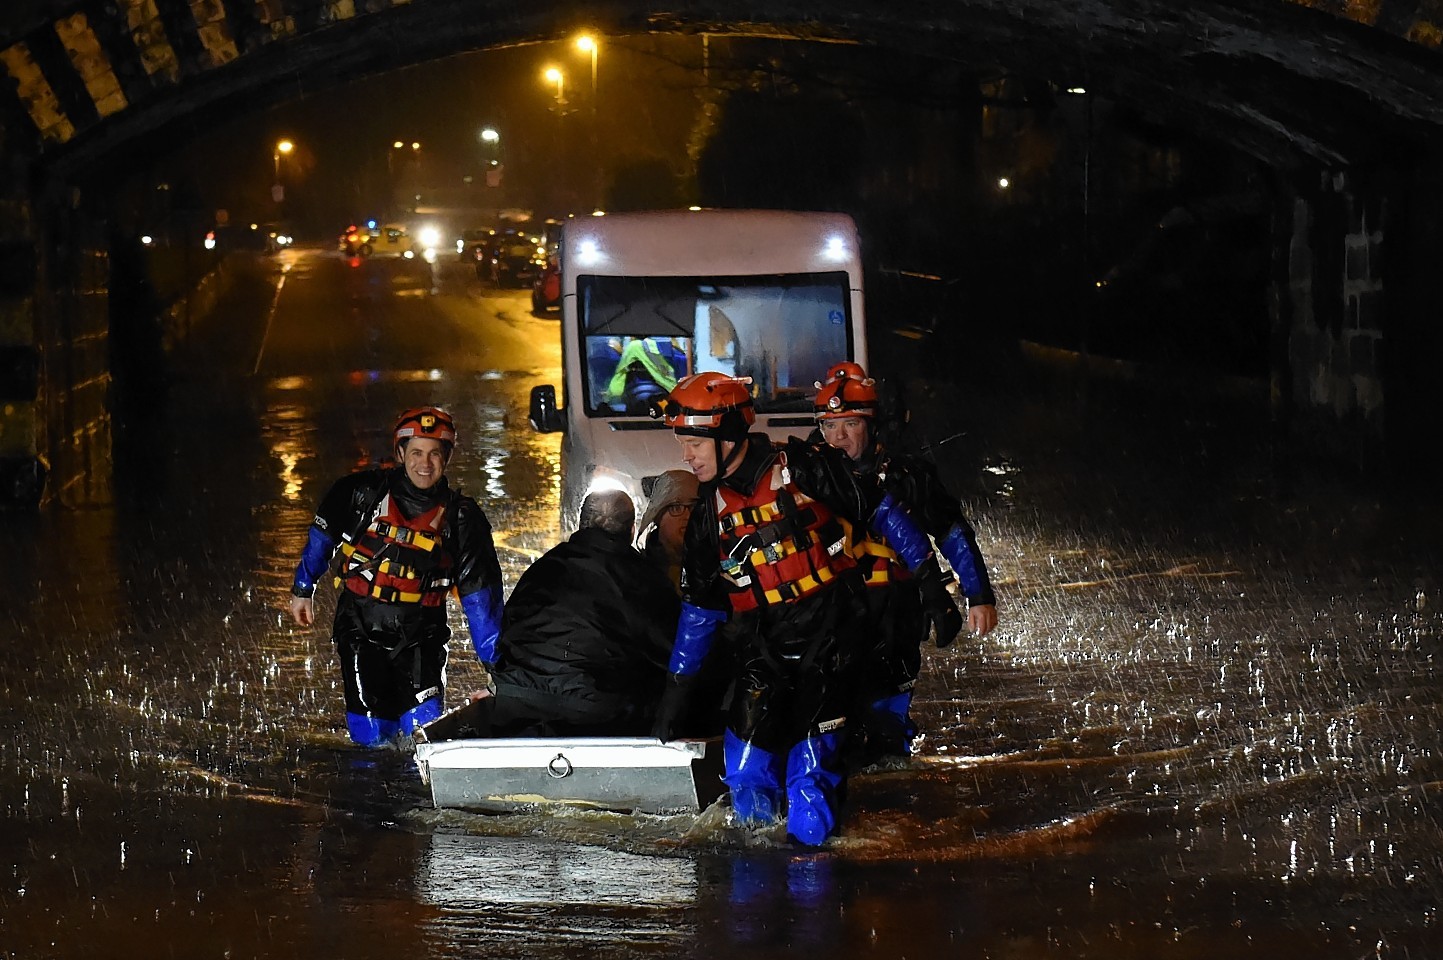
(472, 245)
(390, 238)
(278, 236)
(356, 241)
(546, 287)
(514, 262)
(226, 237)
(393, 239)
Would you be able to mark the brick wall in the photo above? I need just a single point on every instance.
(1336, 300)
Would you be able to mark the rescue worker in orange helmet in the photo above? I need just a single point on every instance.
(847, 408)
(765, 565)
(404, 540)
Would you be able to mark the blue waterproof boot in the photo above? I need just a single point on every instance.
(890, 730)
(814, 776)
(420, 715)
(368, 731)
(751, 773)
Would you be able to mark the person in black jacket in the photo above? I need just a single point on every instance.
(404, 539)
(765, 569)
(847, 407)
(585, 635)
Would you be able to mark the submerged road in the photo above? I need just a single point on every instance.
(1209, 724)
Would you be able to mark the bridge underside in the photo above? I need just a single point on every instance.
(1285, 83)
(1342, 101)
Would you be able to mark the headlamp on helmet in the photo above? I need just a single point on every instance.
(430, 422)
(846, 391)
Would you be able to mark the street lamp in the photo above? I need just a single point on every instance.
(278, 190)
(586, 43)
(492, 139)
(282, 147)
(554, 75)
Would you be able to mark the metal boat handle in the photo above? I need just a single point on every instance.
(559, 768)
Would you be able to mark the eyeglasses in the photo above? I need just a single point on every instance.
(677, 509)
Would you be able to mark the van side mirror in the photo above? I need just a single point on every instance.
(545, 416)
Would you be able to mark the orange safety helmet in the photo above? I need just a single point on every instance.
(710, 404)
(847, 391)
(432, 422)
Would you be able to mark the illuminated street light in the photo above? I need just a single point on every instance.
(283, 147)
(586, 43)
(489, 135)
(278, 190)
(554, 75)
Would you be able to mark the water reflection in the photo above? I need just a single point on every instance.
(1209, 725)
(523, 897)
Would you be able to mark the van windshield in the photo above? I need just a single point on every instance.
(643, 334)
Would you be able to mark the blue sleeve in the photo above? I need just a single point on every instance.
(694, 632)
(314, 559)
(903, 535)
(961, 550)
(483, 617)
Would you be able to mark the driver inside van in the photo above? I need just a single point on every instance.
(646, 371)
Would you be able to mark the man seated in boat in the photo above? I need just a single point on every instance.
(585, 635)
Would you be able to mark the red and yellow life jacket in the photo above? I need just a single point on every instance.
(778, 545)
(399, 559)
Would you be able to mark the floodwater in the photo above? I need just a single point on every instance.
(1207, 726)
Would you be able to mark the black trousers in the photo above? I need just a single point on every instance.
(393, 656)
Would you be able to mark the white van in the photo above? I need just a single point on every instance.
(648, 298)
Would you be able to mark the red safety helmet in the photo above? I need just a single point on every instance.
(847, 391)
(710, 404)
(432, 422)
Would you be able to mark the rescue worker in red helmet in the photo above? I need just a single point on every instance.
(847, 408)
(404, 540)
(765, 563)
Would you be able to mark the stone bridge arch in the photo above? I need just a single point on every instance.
(1328, 91)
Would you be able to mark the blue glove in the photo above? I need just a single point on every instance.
(483, 616)
(694, 632)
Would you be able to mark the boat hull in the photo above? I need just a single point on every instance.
(521, 773)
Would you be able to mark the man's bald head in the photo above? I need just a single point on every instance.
(609, 510)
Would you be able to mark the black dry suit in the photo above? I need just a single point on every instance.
(786, 656)
(585, 637)
(788, 634)
(392, 640)
(887, 672)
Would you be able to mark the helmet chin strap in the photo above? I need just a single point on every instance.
(724, 463)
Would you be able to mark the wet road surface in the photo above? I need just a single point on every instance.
(1207, 726)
